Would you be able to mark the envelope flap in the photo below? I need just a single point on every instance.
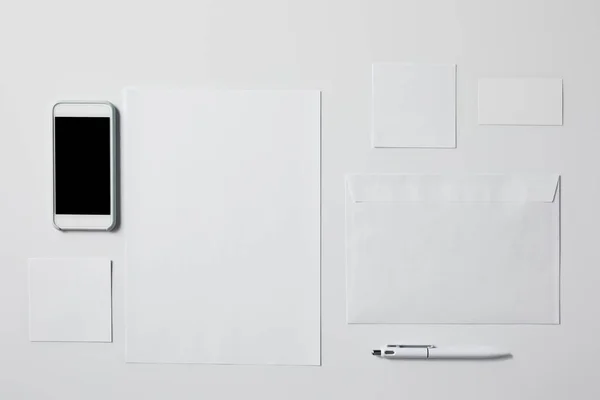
(452, 188)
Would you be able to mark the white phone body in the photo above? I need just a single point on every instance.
(84, 167)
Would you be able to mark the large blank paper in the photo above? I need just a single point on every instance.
(520, 101)
(414, 105)
(223, 220)
(70, 300)
(453, 249)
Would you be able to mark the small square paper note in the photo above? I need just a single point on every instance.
(414, 105)
(70, 300)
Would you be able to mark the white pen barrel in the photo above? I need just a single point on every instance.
(467, 353)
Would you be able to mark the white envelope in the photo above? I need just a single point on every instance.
(453, 249)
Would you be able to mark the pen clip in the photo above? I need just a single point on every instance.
(383, 352)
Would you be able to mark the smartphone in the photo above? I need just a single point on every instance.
(84, 165)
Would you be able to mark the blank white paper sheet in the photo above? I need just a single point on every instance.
(223, 217)
(70, 300)
(474, 249)
(520, 101)
(414, 105)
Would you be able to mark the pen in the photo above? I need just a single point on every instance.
(429, 352)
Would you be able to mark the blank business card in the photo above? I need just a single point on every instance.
(520, 101)
(70, 300)
(414, 105)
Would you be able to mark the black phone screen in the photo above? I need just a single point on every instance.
(82, 167)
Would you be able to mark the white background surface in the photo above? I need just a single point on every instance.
(82, 50)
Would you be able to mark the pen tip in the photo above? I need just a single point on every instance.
(376, 352)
